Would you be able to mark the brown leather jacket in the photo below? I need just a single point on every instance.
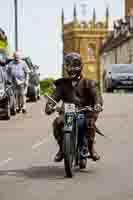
(83, 93)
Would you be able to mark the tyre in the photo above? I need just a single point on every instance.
(38, 94)
(13, 112)
(83, 163)
(8, 112)
(68, 154)
(34, 98)
(109, 90)
(13, 104)
(38, 97)
(77, 158)
(108, 86)
(112, 90)
(13, 109)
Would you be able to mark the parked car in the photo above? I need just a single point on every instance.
(7, 97)
(119, 76)
(28, 62)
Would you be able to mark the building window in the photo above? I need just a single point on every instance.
(91, 53)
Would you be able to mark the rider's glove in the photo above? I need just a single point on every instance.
(98, 108)
(59, 109)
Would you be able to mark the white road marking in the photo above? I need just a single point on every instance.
(11, 173)
(35, 146)
(5, 161)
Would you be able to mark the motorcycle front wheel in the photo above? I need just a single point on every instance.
(68, 154)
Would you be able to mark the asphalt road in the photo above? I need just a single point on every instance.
(27, 148)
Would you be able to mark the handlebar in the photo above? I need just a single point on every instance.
(50, 98)
(86, 108)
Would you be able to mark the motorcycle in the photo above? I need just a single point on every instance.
(73, 156)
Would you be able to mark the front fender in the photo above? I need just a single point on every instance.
(68, 122)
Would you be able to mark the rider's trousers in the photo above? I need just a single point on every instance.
(86, 128)
(21, 96)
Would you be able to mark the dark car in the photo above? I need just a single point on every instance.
(7, 97)
(28, 62)
(119, 76)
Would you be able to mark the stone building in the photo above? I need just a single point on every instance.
(128, 7)
(119, 45)
(86, 38)
(118, 48)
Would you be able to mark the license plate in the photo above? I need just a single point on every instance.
(126, 82)
(69, 107)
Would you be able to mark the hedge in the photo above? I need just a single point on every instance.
(47, 86)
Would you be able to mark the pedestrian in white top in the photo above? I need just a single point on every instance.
(19, 73)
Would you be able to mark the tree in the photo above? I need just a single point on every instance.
(47, 86)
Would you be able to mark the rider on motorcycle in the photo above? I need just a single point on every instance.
(80, 91)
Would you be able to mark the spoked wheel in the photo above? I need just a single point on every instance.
(68, 154)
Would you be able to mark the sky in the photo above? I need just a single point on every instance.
(40, 27)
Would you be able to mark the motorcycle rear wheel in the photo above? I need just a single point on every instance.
(83, 163)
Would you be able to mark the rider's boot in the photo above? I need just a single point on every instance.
(84, 149)
(83, 153)
(58, 134)
(59, 156)
(92, 139)
(93, 154)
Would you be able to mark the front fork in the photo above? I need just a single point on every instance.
(78, 128)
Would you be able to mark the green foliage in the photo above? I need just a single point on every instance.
(47, 86)
(98, 88)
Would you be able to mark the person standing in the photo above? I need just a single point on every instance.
(19, 73)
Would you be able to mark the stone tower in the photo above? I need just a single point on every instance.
(85, 38)
(128, 7)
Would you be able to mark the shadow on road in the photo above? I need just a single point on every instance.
(42, 172)
(39, 172)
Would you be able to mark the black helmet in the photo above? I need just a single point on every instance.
(73, 63)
